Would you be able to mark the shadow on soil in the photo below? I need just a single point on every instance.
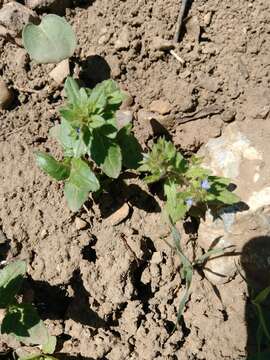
(255, 260)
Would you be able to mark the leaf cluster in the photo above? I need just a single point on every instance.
(188, 187)
(92, 143)
(21, 320)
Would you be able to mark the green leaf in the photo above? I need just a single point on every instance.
(11, 278)
(59, 170)
(175, 204)
(112, 164)
(81, 181)
(106, 154)
(130, 148)
(23, 322)
(74, 144)
(262, 296)
(72, 90)
(51, 41)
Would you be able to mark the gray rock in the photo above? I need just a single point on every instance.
(15, 16)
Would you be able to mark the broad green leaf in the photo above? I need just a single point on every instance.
(51, 41)
(106, 154)
(74, 143)
(72, 90)
(81, 181)
(59, 170)
(23, 322)
(175, 204)
(112, 164)
(11, 278)
(130, 148)
(98, 99)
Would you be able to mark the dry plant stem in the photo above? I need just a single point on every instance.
(180, 20)
(173, 53)
(129, 248)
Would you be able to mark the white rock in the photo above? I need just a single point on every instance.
(80, 224)
(60, 72)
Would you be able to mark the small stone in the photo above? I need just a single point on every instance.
(123, 117)
(6, 95)
(207, 18)
(156, 257)
(114, 64)
(60, 72)
(160, 106)
(162, 45)
(15, 16)
(119, 215)
(228, 116)
(122, 42)
(21, 57)
(80, 224)
(43, 233)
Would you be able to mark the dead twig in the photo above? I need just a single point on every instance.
(180, 20)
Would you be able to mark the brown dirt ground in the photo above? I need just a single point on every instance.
(102, 301)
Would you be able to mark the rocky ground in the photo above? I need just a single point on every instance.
(101, 300)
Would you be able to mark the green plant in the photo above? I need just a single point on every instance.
(21, 320)
(92, 142)
(51, 41)
(188, 266)
(189, 188)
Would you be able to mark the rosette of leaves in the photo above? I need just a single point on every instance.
(21, 320)
(188, 187)
(92, 143)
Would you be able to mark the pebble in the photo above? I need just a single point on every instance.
(160, 106)
(80, 224)
(161, 44)
(6, 95)
(156, 257)
(228, 116)
(123, 117)
(119, 215)
(207, 18)
(123, 39)
(15, 16)
(60, 72)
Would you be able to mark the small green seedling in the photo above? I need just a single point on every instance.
(93, 143)
(188, 266)
(189, 188)
(21, 320)
(51, 41)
